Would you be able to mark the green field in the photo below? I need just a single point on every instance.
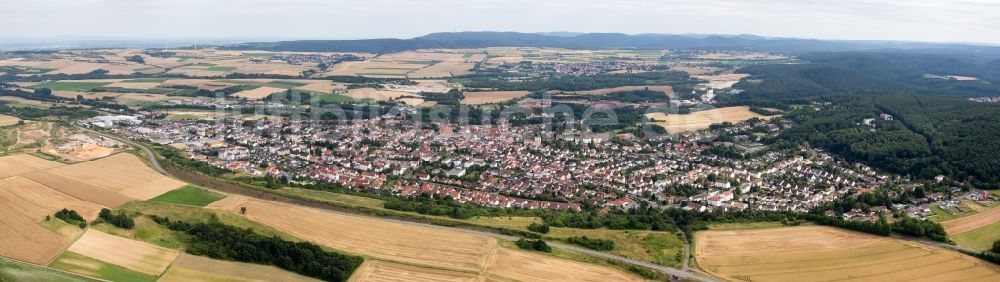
(331, 98)
(942, 215)
(980, 239)
(284, 84)
(145, 230)
(146, 80)
(81, 264)
(221, 69)
(190, 195)
(70, 86)
(16, 271)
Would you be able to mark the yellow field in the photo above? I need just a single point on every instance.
(381, 271)
(818, 253)
(479, 98)
(135, 255)
(121, 173)
(703, 119)
(8, 120)
(436, 248)
(25, 203)
(20, 164)
(195, 268)
(258, 93)
(376, 94)
(723, 80)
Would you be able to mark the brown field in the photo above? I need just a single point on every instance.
(206, 84)
(703, 119)
(20, 164)
(376, 94)
(818, 253)
(78, 189)
(381, 271)
(78, 68)
(19, 100)
(25, 203)
(322, 87)
(445, 250)
(142, 97)
(525, 266)
(258, 93)
(362, 235)
(972, 222)
(479, 98)
(131, 179)
(196, 268)
(34, 200)
(8, 120)
(134, 85)
(603, 91)
(135, 255)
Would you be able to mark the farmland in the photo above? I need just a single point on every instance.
(195, 268)
(393, 241)
(676, 123)
(8, 120)
(977, 231)
(134, 255)
(77, 263)
(16, 271)
(190, 195)
(258, 93)
(479, 98)
(378, 271)
(604, 91)
(817, 253)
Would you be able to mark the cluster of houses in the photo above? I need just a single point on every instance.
(512, 166)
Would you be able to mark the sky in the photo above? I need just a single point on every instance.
(909, 20)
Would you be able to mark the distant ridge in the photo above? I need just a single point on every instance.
(570, 40)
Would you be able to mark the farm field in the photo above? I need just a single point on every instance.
(258, 93)
(722, 81)
(972, 222)
(818, 253)
(376, 94)
(393, 241)
(77, 263)
(131, 177)
(381, 271)
(131, 254)
(16, 271)
(977, 231)
(676, 123)
(479, 98)
(196, 268)
(190, 195)
(6, 120)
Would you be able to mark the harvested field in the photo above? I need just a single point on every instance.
(479, 98)
(258, 93)
(375, 94)
(526, 266)
(24, 204)
(86, 95)
(446, 253)
(378, 238)
(77, 263)
(78, 68)
(134, 255)
(79, 190)
(35, 201)
(195, 268)
(8, 120)
(205, 84)
(603, 91)
(126, 97)
(322, 87)
(379, 271)
(20, 164)
(131, 177)
(818, 253)
(703, 119)
(972, 222)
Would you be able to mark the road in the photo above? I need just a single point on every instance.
(675, 273)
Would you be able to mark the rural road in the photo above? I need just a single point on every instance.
(684, 274)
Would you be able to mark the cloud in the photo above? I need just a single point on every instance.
(917, 20)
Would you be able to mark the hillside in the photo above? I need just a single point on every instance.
(607, 41)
